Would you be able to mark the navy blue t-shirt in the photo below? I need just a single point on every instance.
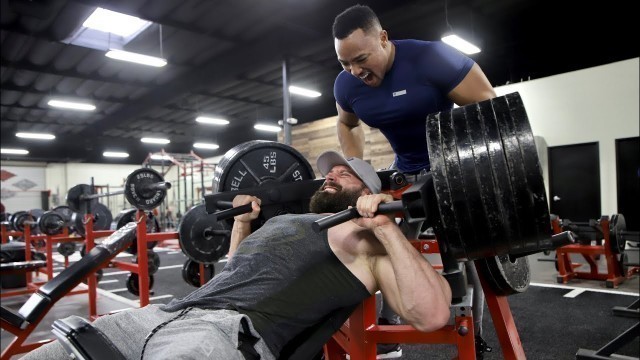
(422, 75)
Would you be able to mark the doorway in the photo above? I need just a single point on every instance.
(574, 181)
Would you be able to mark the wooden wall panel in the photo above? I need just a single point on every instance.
(314, 138)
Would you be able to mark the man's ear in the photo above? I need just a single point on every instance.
(366, 191)
(384, 38)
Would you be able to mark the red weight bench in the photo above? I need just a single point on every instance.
(23, 323)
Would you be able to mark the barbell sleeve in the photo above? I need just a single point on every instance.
(163, 185)
(238, 210)
(352, 213)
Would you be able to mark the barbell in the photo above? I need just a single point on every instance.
(485, 197)
(144, 188)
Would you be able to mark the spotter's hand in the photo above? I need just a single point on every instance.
(240, 200)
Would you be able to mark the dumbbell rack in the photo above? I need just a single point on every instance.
(360, 334)
(566, 268)
(140, 267)
(31, 286)
(5, 233)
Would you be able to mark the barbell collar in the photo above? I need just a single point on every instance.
(352, 213)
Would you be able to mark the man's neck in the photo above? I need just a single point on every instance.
(391, 56)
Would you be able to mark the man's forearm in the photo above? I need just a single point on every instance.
(425, 297)
(351, 140)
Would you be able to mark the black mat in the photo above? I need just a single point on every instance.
(550, 326)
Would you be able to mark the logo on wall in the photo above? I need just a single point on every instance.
(6, 194)
(6, 175)
(24, 184)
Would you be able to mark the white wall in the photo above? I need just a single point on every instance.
(23, 187)
(598, 104)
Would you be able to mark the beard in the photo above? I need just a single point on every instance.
(324, 202)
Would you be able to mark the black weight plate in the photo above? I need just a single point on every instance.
(506, 275)
(153, 261)
(522, 196)
(18, 220)
(102, 219)
(255, 163)
(51, 223)
(483, 244)
(445, 225)
(75, 201)
(191, 273)
(129, 215)
(456, 184)
(137, 189)
(66, 248)
(35, 214)
(134, 287)
(202, 238)
(497, 231)
(65, 211)
(617, 225)
(533, 169)
(501, 180)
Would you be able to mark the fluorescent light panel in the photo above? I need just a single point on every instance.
(136, 58)
(304, 92)
(461, 44)
(71, 105)
(37, 136)
(14, 151)
(115, 154)
(206, 146)
(211, 120)
(263, 127)
(115, 22)
(160, 157)
(155, 140)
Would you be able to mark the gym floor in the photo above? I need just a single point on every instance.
(553, 320)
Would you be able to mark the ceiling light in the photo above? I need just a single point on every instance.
(210, 120)
(115, 22)
(115, 154)
(461, 44)
(304, 92)
(136, 58)
(206, 146)
(155, 141)
(71, 105)
(14, 151)
(38, 136)
(160, 157)
(264, 127)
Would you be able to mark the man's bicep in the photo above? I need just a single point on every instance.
(347, 118)
(350, 133)
(475, 87)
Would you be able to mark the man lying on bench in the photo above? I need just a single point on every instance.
(285, 278)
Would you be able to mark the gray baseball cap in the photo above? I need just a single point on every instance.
(328, 159)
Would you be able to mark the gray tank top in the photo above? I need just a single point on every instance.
(284, 276)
